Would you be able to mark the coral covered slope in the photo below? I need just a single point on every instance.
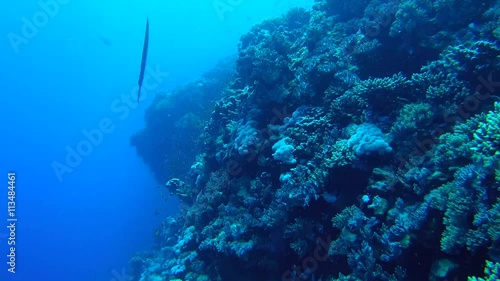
(356, 141)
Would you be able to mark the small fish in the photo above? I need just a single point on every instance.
(144, 58)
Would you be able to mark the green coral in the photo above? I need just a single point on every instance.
(471, 56)
(486, 142)
(341, 155)
(382, 84)
(491, 272)
(494, 222)
(455, 149)
(472, 151)
(449, 90)
(459, 206)
(413, 117)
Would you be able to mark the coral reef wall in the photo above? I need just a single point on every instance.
(357, 141)
(174, 121)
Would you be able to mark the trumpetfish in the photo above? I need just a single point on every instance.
(144, 58)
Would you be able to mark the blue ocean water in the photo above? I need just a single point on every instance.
(69, 72)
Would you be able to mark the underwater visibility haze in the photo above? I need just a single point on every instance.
(318, 140)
